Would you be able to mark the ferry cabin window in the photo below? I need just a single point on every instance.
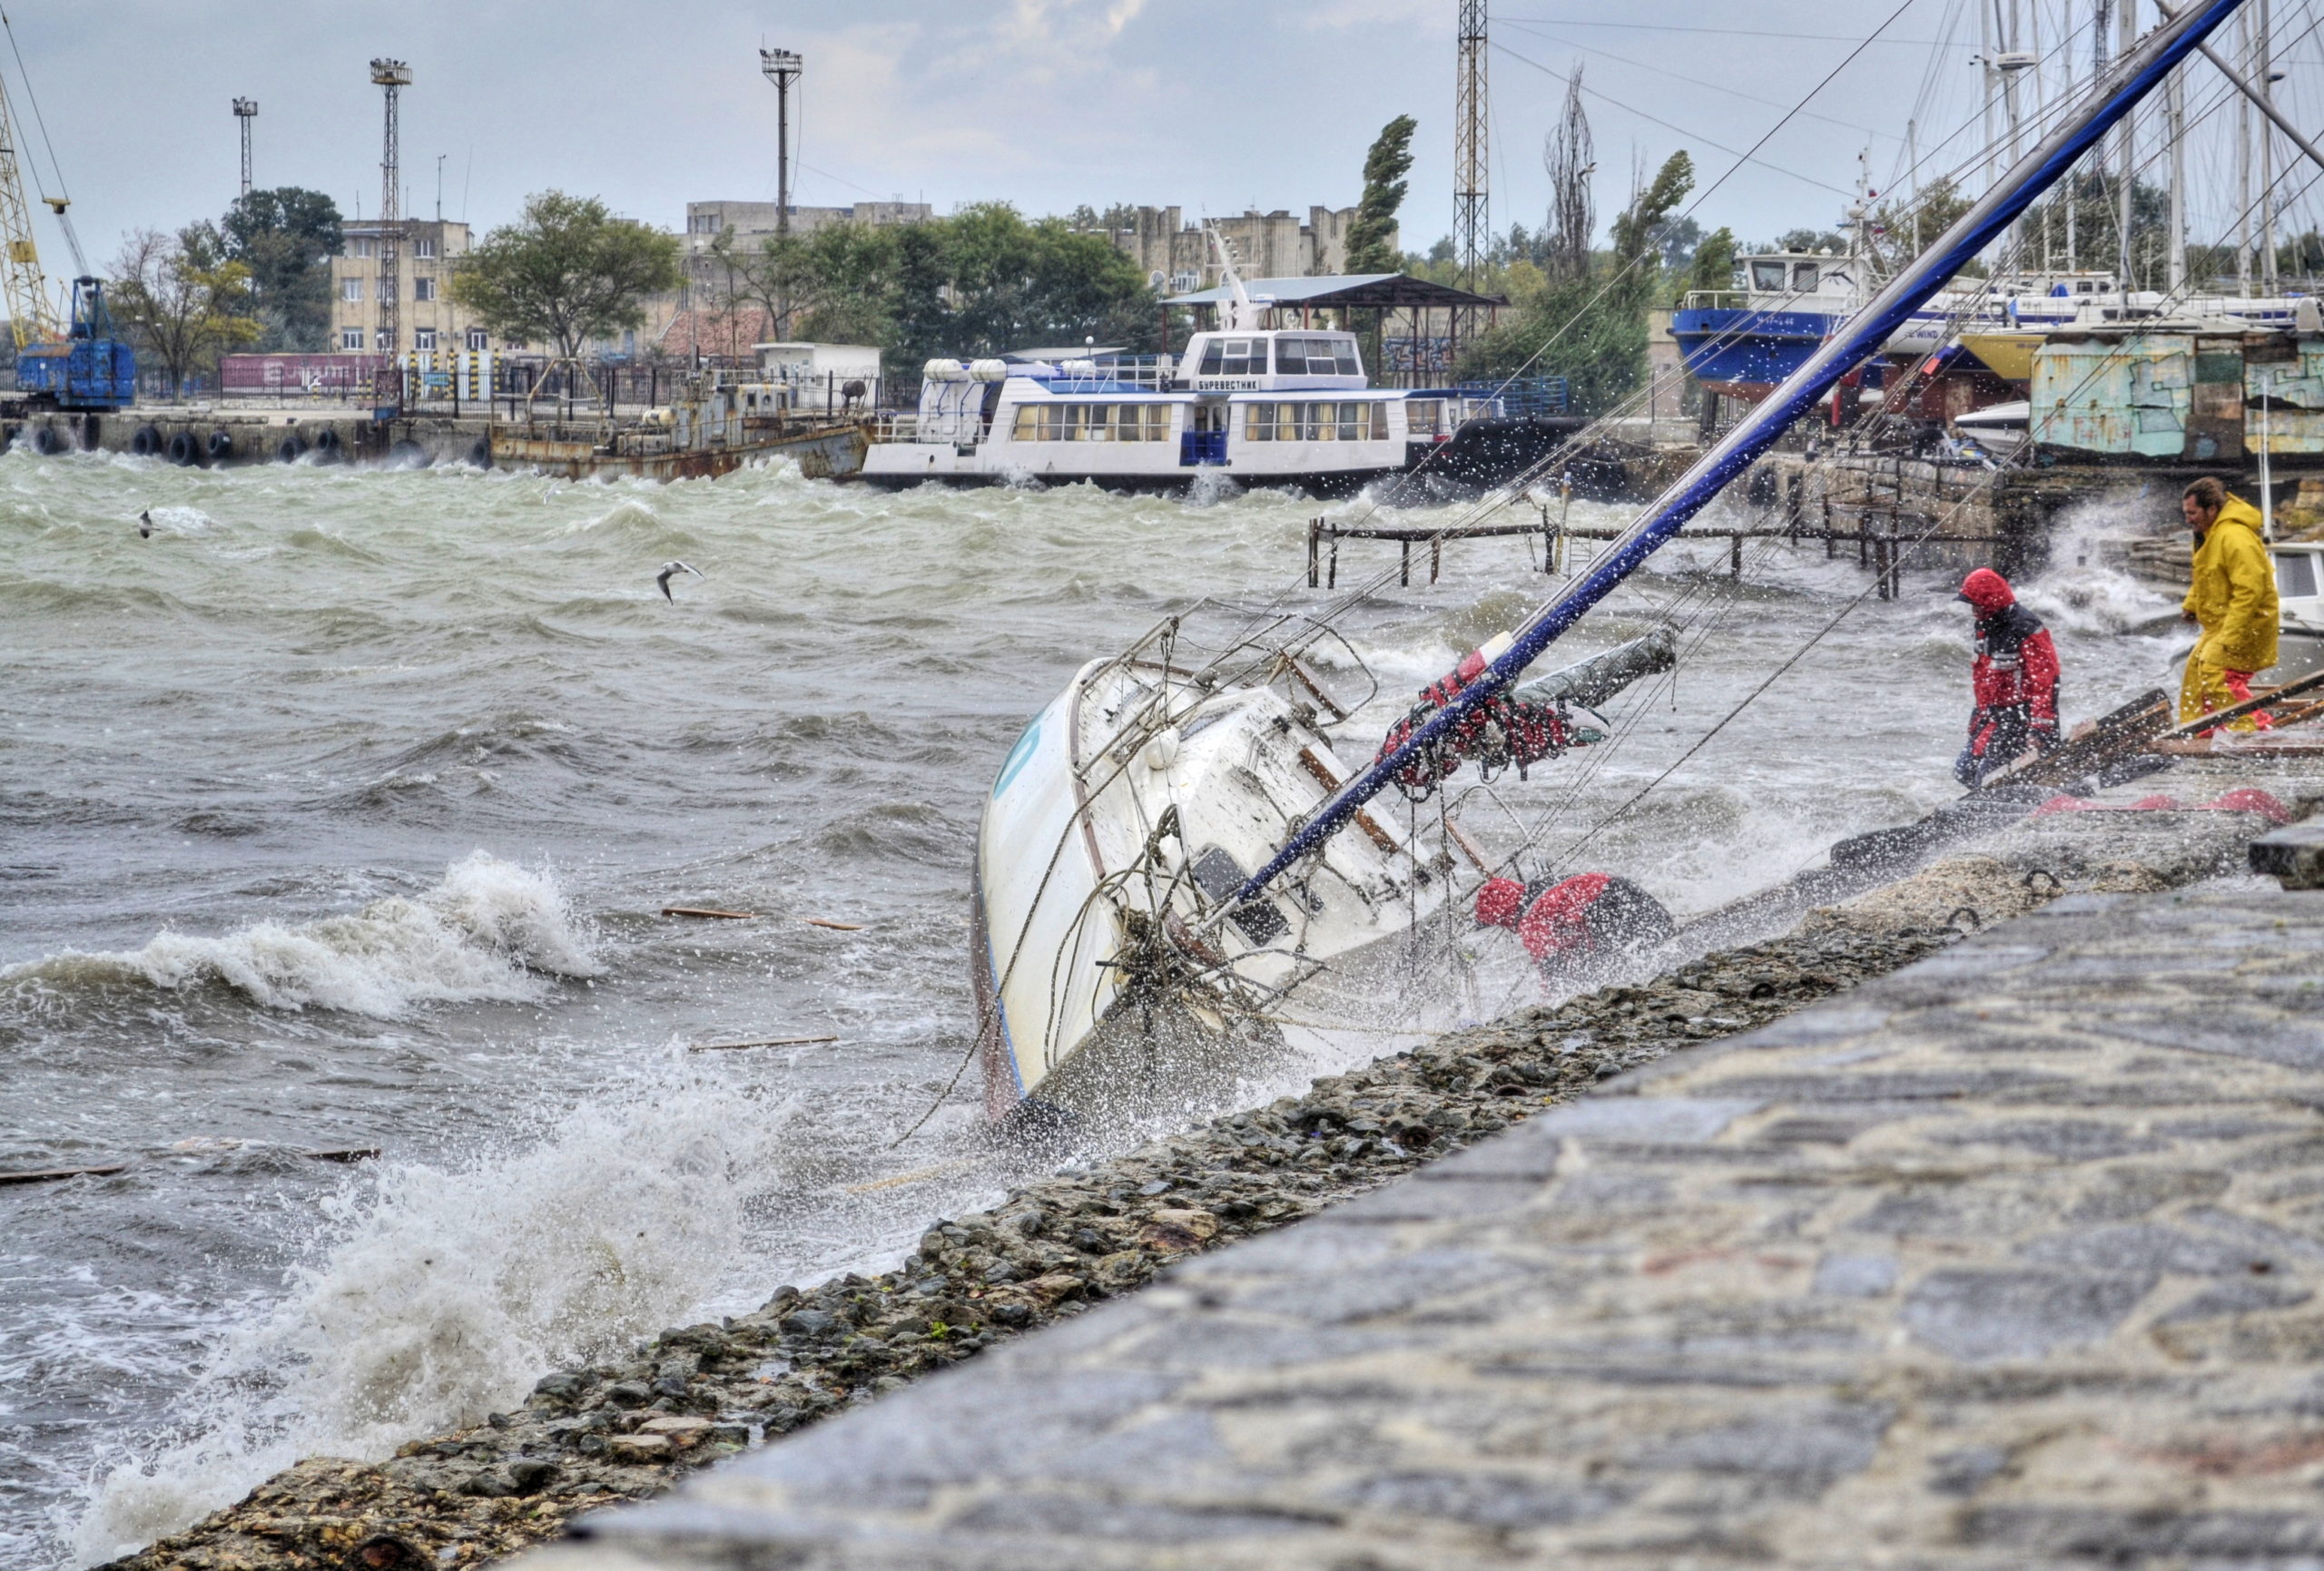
(1063, 422)
(1423, 416)
(2296, 574)
(1803, 276)
(1234, 358)
(1333, 357)
(1352, 422)
(1766, 275)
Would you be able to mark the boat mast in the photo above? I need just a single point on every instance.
(2073, 195)
(2269, 284)
(2126, 159)
(1861, 336)
(2243, 163)
(2174, 131)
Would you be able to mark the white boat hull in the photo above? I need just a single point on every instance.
(1110, 978)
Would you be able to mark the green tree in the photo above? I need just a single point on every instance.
(1714, 263)
(983, 281)
(1591, 328)
(286, 238)
(184, 299)
(1372, 234)
(567, 272)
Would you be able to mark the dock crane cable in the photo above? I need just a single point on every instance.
(64, 197)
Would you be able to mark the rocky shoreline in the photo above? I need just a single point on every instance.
(590, 1438)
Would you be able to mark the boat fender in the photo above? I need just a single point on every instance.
(1161, 752)
(287, 451)
(146, 442)
(47, 441)
(220, 446)
(185, 449)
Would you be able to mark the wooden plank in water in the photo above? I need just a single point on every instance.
(708, 911)
(768, 1042)
(54, 1175)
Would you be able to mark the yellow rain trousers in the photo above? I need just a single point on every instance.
(2234, 596)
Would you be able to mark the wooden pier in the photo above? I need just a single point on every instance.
(1882, 550)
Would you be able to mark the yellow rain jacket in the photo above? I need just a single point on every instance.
(2234, 592)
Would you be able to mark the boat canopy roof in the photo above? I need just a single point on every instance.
(1393, 292)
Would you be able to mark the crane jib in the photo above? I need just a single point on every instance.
(2132, 77)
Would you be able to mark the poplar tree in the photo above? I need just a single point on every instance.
(1372, 234)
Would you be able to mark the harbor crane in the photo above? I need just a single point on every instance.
(79, 364)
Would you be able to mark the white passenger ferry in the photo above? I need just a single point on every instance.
(1261, 406)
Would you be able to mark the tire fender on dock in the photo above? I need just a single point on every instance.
(147, 442)
(185, 450)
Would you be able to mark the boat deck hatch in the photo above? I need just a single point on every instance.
(1220, 876)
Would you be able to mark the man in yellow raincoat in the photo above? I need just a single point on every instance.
(2233, 597)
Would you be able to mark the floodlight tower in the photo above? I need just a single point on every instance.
(392, 77)
(1471, 151)
(246, 111)
(781, 67)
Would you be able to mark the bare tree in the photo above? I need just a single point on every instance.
(1570, 160)
(183, 299)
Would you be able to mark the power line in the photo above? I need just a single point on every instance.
(1724, 32)
(1668, 126)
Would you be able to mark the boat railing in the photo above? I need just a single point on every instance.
(1520, 398)
(1150, 373)
(1717, 300)
(896, 426)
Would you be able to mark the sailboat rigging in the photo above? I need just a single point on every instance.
(1161, 867)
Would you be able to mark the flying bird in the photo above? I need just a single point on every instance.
(663, 577)
(145, 523)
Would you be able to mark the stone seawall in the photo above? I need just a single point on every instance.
(2009, 1259)
(1058, 1247)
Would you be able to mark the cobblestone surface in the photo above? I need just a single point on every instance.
(2009, 1259)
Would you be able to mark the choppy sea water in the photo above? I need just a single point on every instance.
(340, 813)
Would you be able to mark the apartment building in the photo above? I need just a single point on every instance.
(427, 319)
(1177, 258)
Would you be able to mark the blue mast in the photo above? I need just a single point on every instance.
(2133, 77)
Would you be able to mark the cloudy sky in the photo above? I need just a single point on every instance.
(1214, 105)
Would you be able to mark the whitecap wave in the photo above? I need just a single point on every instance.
(446, 1291)
(490, 930)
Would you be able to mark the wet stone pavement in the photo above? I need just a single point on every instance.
(2007, 1258)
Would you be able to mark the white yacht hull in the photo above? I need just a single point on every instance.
(1110, 978)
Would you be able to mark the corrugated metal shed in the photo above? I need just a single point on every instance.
(2293, 388)
(2126, 395)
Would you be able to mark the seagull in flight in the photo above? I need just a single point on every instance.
(668, 568)
(145, 523)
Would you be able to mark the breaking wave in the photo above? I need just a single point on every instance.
(489, 931)
(444, 1292)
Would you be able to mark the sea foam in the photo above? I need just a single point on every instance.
(444, 1292)
(489, 931)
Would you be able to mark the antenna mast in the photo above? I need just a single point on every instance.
(246, 111)
(781, 67)
(1471, 149)
(392, 77)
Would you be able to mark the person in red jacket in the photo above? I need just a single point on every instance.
(1578, 929)
(2013, 682)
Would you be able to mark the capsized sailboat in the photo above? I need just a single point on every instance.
(1164, 896)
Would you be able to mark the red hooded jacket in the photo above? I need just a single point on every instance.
(2016, 666)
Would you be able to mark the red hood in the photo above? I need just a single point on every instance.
(1988, 591)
